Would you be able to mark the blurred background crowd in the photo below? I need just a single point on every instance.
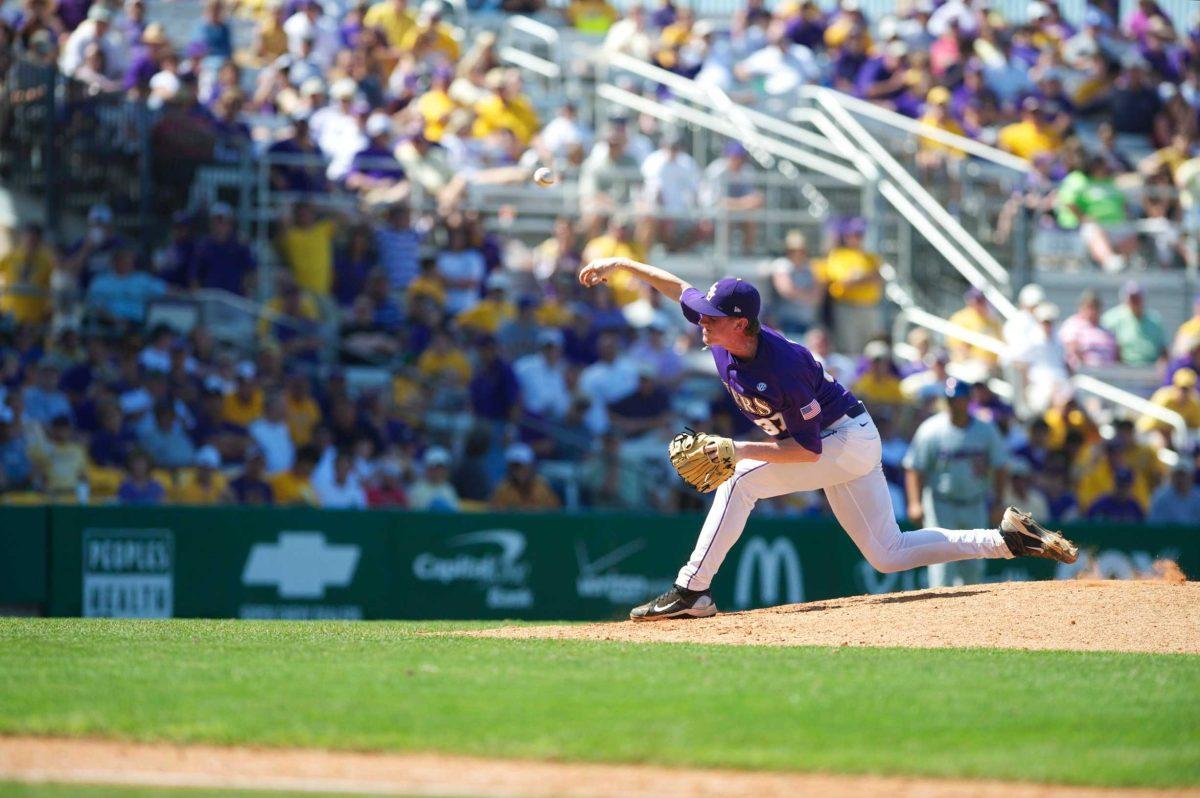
(408, 349)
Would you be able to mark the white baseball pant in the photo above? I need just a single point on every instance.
(850, 472)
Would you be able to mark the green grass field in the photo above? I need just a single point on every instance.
(1085, 718)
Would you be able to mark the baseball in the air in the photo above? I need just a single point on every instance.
(543, 176)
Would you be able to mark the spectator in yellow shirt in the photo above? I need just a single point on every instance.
(443, 362)
(60, 463)
(851, 277)
(617, 242)
(438, 36)
(976, 317)
(1180, 396)
(593, 17)
(306, 243)
(300, 410)
(506, 108)
(1031, 136)
(1097, 467)
(393, 18)
(294, 486)
(522, 488)
(204, 484)
(436, 105)
(1067, 416)
(486, 315)
(25, 278)
(245, 404)
(427, 285)
(880, 384)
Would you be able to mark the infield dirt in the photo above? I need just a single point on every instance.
(35, 759)
(1160, 616)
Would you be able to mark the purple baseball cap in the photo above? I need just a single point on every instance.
(729, 296)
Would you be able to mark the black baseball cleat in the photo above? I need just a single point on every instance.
(678, 602)
(1027, 538)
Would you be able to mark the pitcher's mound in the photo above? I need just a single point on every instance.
(1074, 615)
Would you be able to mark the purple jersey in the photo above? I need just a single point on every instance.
(783, 389)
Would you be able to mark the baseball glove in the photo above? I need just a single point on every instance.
(703, 470)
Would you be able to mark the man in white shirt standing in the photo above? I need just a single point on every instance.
(310, 23)
(342, 490)
(337, 129)
(1021, 328)
(273, 436)
(565, 131)
(671, 188)
(782, 66)
(543, 378)
(96, 29)
(608, 380)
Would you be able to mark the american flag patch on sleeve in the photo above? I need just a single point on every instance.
(810, 410)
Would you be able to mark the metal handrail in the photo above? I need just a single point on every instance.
(702, 94)
(905, 181)
(725, 127)
(970, 146)
(539, 30)
(1082, 382)
(547, 69)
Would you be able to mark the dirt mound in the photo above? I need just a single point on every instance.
(1084, 615)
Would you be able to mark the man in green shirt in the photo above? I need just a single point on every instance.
(1092, 202)
(1139, 333)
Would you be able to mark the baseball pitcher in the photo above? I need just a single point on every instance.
(821, 437)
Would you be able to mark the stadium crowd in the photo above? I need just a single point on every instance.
(510, 387)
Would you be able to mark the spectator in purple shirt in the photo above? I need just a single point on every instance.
(295, 174)
(883, 78)
(1119, 506)
(375, 167)
(808, 27)
(353, 264)
(494, 388)
(664, 15)
(849, 61)
(221, 261)
(139, 487)
(147, 60)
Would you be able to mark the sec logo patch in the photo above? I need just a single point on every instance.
(762, 386)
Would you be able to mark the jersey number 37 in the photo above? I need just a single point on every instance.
(772, 425)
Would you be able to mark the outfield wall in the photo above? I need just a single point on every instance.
(301, 563)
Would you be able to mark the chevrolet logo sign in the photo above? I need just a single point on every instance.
(301, 565)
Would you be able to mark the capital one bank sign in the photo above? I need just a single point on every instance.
(774, 568)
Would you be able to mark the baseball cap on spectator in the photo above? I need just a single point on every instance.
(1184, 378)
(672, 137)
(221, 210)
(311, 86)
(1046, 311)
(99, 13)
(1131, 288)
(430, 10)
(703, 28)
(733, 148)
(99, 214)
(436, 457)
(958, 389)
(550, 337)
(245, 370)
(154, 34)
(519, 453)
(1031, 105)
(1031, 296)
(896, 49)
(972, 294)
(875, 350)
(1095, 18)
(1036, 10)
(937, 356)
(343, 89)
(729, 296)
(938, 95)
(379, 125)
(1018, 467)
(497, 281)
(208, 457)
(134, 403)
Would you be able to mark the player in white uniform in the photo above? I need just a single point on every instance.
(822, 437)
(954, 461)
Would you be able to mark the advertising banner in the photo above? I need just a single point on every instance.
(312, 564)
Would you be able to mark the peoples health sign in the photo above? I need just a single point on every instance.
(128, 573)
